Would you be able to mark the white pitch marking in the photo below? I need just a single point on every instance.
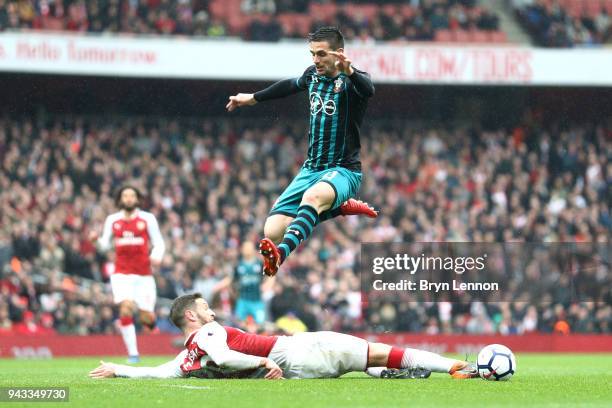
(190, 387)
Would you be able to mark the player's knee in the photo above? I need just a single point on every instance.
(126, 308)
(313, 198)
(273, 231)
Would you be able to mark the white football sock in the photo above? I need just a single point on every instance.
(375, 371)
(128, 333)
(425, 359)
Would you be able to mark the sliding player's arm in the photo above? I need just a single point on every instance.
(277, 90)
(171, 369)
(212, 338)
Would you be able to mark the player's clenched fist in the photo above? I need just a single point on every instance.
(239, 100)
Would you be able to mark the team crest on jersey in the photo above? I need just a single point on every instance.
(116, 226)
(140, 225)
(338, 84)
(314, 79)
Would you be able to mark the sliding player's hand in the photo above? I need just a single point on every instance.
(343, 63)
(104, 370)
(239, 100)
(274, 371)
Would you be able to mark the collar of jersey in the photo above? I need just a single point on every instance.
(190, 337)
(327, 79)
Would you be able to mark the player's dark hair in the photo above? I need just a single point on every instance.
(179, 305)
(332, 35)
(122, 189)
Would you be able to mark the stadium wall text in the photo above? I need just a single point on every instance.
(49, 346)
(122, 56)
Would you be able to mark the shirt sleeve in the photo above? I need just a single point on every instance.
(283, 88)
(157, 242)
(212, 338)
(104, 242)
(171, 369)
(362, 83)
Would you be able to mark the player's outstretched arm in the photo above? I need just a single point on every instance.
(239, 100)
(170, 369)
(277, 90)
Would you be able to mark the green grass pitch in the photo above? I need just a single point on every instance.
(542, 380)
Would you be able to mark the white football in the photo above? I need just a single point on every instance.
(496, 362)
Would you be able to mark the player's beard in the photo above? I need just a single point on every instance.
(128, 208)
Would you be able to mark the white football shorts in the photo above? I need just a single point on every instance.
(319, 354)
(139, 288)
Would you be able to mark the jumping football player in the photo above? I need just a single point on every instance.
(226, 351)
(138, 245)
(331, 175)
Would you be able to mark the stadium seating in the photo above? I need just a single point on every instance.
(206, 183)
(237, 19)
(562, 23)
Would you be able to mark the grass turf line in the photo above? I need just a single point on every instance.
(542, 380)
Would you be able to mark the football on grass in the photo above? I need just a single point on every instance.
(496, 362)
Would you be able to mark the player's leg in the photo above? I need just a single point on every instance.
(122, 286)
(241, 311)
(324, 354)
(128, 329)
(145, 296)
(333, 188)
(257, 309)
(383, 355)
(275, 227)
(147, 319)
(321, 194)
(317, 199)
(282, 214)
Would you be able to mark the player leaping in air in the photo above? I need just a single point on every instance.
(331, 175)
(215, 351)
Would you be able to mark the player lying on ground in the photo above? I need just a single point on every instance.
(212, 350)
(138, 246)
(331, 175)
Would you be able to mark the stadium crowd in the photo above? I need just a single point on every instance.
(257, 20)
(552, 25)
(211, 183)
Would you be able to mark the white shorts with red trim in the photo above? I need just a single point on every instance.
(137, 288)
(319, 354)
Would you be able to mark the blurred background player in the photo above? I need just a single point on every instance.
(247, 280)
(331, 175)
(138, 246)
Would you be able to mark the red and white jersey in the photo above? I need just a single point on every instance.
(223, 346)
(137, 240)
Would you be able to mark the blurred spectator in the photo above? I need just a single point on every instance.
(259, 17)
(211, 184)
(553, 25)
